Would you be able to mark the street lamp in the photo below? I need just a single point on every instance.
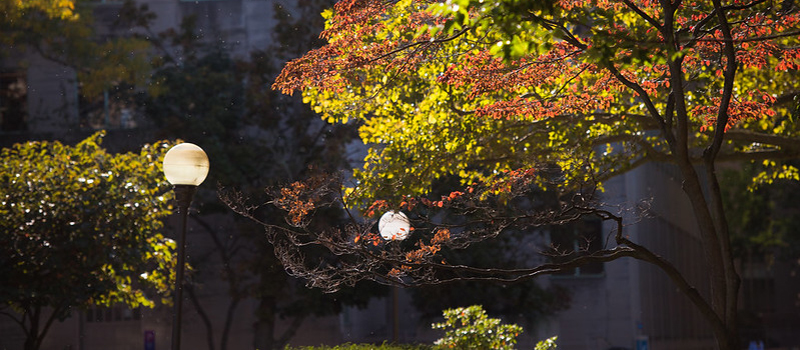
(185, 166)
(394, 225)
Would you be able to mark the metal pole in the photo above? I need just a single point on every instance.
(395, 315)
(183, 195)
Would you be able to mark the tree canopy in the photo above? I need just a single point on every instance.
(64, 31)
(80, 227)
(463, 87)
(495, 91)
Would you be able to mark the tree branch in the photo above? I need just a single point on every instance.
(418, 43)
(16, 320)
(786, 143)
(642, 14)
(651, 107)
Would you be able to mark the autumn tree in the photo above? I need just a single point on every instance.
(509, 94)
(81, 227)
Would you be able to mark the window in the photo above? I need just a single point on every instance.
(584, 236)
(108, 111)
(13, 101)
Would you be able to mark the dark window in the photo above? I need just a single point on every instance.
(582, 236)
(13, 101)
(109, 110)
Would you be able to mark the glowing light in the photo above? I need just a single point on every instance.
(394, 225)
(186, 164)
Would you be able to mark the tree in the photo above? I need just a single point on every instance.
(497, 92)
(64, 32)
(80, 227)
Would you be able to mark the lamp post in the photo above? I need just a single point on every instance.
(394, 225)
(185, 166)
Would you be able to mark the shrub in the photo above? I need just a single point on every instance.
(471, 328)
(547, 344)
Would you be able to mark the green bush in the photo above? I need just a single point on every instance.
(465, 328)
(471, 328)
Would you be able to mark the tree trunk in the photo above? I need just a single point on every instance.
(713, 234)
(290, 332)
(32, 339)
(264, 327)
(226, 329)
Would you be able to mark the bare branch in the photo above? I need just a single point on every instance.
(418, 43)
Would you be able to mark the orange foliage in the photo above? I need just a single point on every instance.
(352, 45)
(292, 201)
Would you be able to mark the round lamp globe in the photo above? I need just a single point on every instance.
(394, 225)
(186, 164)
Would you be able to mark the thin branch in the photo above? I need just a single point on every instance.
(651, 108)
(787, 143)
(423, 42)
(727, 89)
(752, 156)
(642, 14)
(758, 38)
(518, 275)
(16, 320)
(49, 322)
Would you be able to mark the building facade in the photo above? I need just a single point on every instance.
(622, 304)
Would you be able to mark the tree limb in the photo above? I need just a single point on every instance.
(786, 143)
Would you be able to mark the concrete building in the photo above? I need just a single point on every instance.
(620, 304)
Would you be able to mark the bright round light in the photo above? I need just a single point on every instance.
(186, 164)
(394, 225)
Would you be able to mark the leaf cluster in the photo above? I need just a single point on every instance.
(471, 88)
(82, 226)
(471, 328)
(763, 217)
(64, 32)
